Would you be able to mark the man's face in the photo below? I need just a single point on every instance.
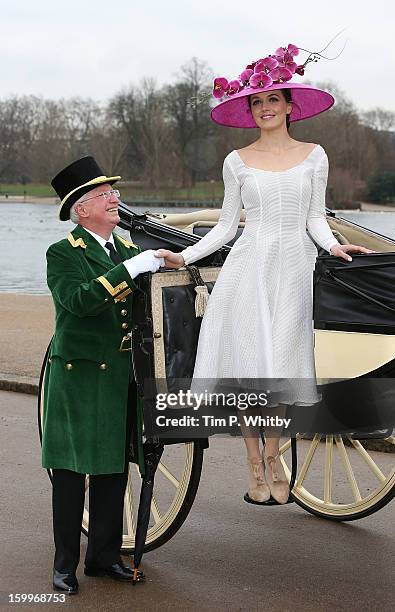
(99, 210)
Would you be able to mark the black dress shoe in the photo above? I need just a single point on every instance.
(118, 571)
(66, 583)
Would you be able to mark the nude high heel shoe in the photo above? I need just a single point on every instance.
(276, 479)
(258, 491)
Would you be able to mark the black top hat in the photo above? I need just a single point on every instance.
(77, 179)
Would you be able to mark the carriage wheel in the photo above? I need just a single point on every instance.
(339, 478)
(176, 483)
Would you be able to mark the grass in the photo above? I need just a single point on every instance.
(129, 191)
(37, 190)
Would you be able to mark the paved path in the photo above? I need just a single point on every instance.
(26, 324)
(228, 556)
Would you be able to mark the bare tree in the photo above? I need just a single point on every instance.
(379, 119)
(19, 123)
(189, 116)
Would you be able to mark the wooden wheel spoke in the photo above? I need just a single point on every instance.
(308, 459)
(348, 468)
(368, 459)
(155, 510)
(130, 519)
(166, 472)
(328, 469)
(287, 445)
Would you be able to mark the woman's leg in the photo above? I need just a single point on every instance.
(276, 477)
(273, 432)
(258, 489)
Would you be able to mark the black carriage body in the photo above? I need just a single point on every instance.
(359, 297)
(164, 316)
(355, 296)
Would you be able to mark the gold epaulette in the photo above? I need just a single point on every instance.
(76, 243)
(126, 243)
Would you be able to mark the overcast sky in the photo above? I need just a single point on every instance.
(95, 47)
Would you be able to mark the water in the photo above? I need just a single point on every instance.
(26, 231)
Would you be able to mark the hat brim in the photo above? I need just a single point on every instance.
(307, 101)
(76, 194)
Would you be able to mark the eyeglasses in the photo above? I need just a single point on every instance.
(106, 195)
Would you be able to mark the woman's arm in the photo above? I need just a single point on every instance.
(228, 221)
(316, 224)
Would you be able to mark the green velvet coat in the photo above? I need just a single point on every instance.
(86, 380)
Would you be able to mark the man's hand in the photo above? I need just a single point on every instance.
(342, 250)
(172, 260)
(143, 262)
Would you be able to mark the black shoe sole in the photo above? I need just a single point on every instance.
(65, 591)
(102, 573)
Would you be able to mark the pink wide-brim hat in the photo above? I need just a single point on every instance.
(307, 101)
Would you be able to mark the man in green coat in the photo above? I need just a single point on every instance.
(89, 395)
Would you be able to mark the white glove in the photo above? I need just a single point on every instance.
(143, 262)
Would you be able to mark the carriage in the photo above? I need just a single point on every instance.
(341, 477)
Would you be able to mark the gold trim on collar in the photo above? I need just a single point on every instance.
(108, 286)
(126, 243)
(76, 243)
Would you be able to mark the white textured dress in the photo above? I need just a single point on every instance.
(258, 320)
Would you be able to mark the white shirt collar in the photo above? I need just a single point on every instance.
(101, 240)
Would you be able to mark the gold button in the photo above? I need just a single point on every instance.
(124, 312)
(103, 366)
(106, 299)
(124, 300)
(69, 366)
(125, 325)
(49, 360)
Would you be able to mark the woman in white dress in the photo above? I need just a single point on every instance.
(258, 320)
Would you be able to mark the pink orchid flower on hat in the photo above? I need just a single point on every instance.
(235, 86)
(281, 74)
(261, 79)
(221, 86)
(266, 65)
(291, 50)
(285, 57)
(245, 75)
(278, 67)
(286, 61)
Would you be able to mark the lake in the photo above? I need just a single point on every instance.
(26, 231)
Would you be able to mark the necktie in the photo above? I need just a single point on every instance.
(113, 253)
